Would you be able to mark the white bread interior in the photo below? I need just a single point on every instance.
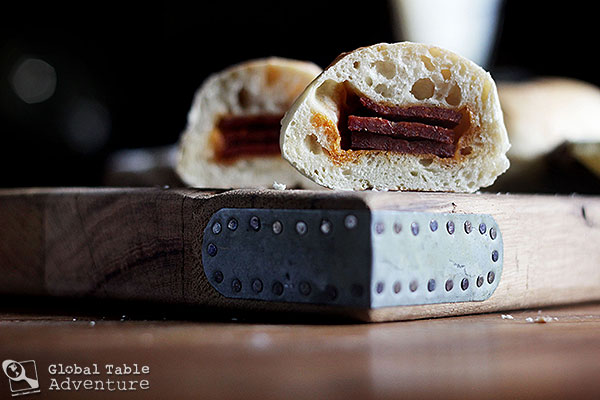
(263, 86)
(402, 74)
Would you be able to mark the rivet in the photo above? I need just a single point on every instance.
(479, 281)
(379, 287)
(304, 288)
(464, 284)
(431, 285)
(414, 228)
(493, 233)
(350, 222)
(468, 227)
(301, 227)
(216, 228)
(218, 276)
(325, 227)
(495, 255)
(236, 285)
(397, 287)
(379, 228)
(277, 227)
(490, 277)
(277, 288)
(482, 228)
(433, 225)
(397, 227)
(450, 227)
(356, 290)
(255, 223)
(331, 292)
(449, 285)
(257, 286)
(211, 249)
(413, 286)
(232, 224)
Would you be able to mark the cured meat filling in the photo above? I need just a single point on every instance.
(250, 135)
(413, 129)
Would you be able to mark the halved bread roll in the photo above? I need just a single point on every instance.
(401, 116)
(232, 134)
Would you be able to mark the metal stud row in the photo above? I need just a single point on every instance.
(379, 228)
(432, 284)
(277, 287)
(301, 227)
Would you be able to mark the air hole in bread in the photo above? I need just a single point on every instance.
(313, 144)
(434, 51)
(428, 63)
(383, 90)
(423, 89)
(465, 151)
(385, 68)
(454, 96)
(426, 162)
(356, 64)
(329, 95)
(414, 173)
(244, 98)
(446, 74)
(369, 81)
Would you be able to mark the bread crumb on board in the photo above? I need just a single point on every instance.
(279, 186)
(541, 320)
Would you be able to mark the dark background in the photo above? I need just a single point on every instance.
(137, 67)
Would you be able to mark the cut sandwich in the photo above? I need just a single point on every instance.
(401, 116)
(232, 135)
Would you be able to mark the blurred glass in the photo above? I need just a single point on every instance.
(467, 27)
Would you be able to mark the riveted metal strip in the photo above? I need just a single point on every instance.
(305, 256)
(354, 258)
(425, 258)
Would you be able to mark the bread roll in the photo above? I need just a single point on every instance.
(549, 118)
(401, 101)
(232, 134)
(542, 114)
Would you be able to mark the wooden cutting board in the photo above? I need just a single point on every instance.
(146, 244)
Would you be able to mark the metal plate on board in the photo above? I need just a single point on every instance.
(353, 258)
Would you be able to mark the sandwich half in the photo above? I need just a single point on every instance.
(232, 134)
(402, 116)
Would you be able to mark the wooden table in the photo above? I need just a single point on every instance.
(480, 356)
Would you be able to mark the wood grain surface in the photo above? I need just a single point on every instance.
(145, 244)
(471, 357)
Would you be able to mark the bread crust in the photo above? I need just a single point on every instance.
(261, 86)
(398, 74)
